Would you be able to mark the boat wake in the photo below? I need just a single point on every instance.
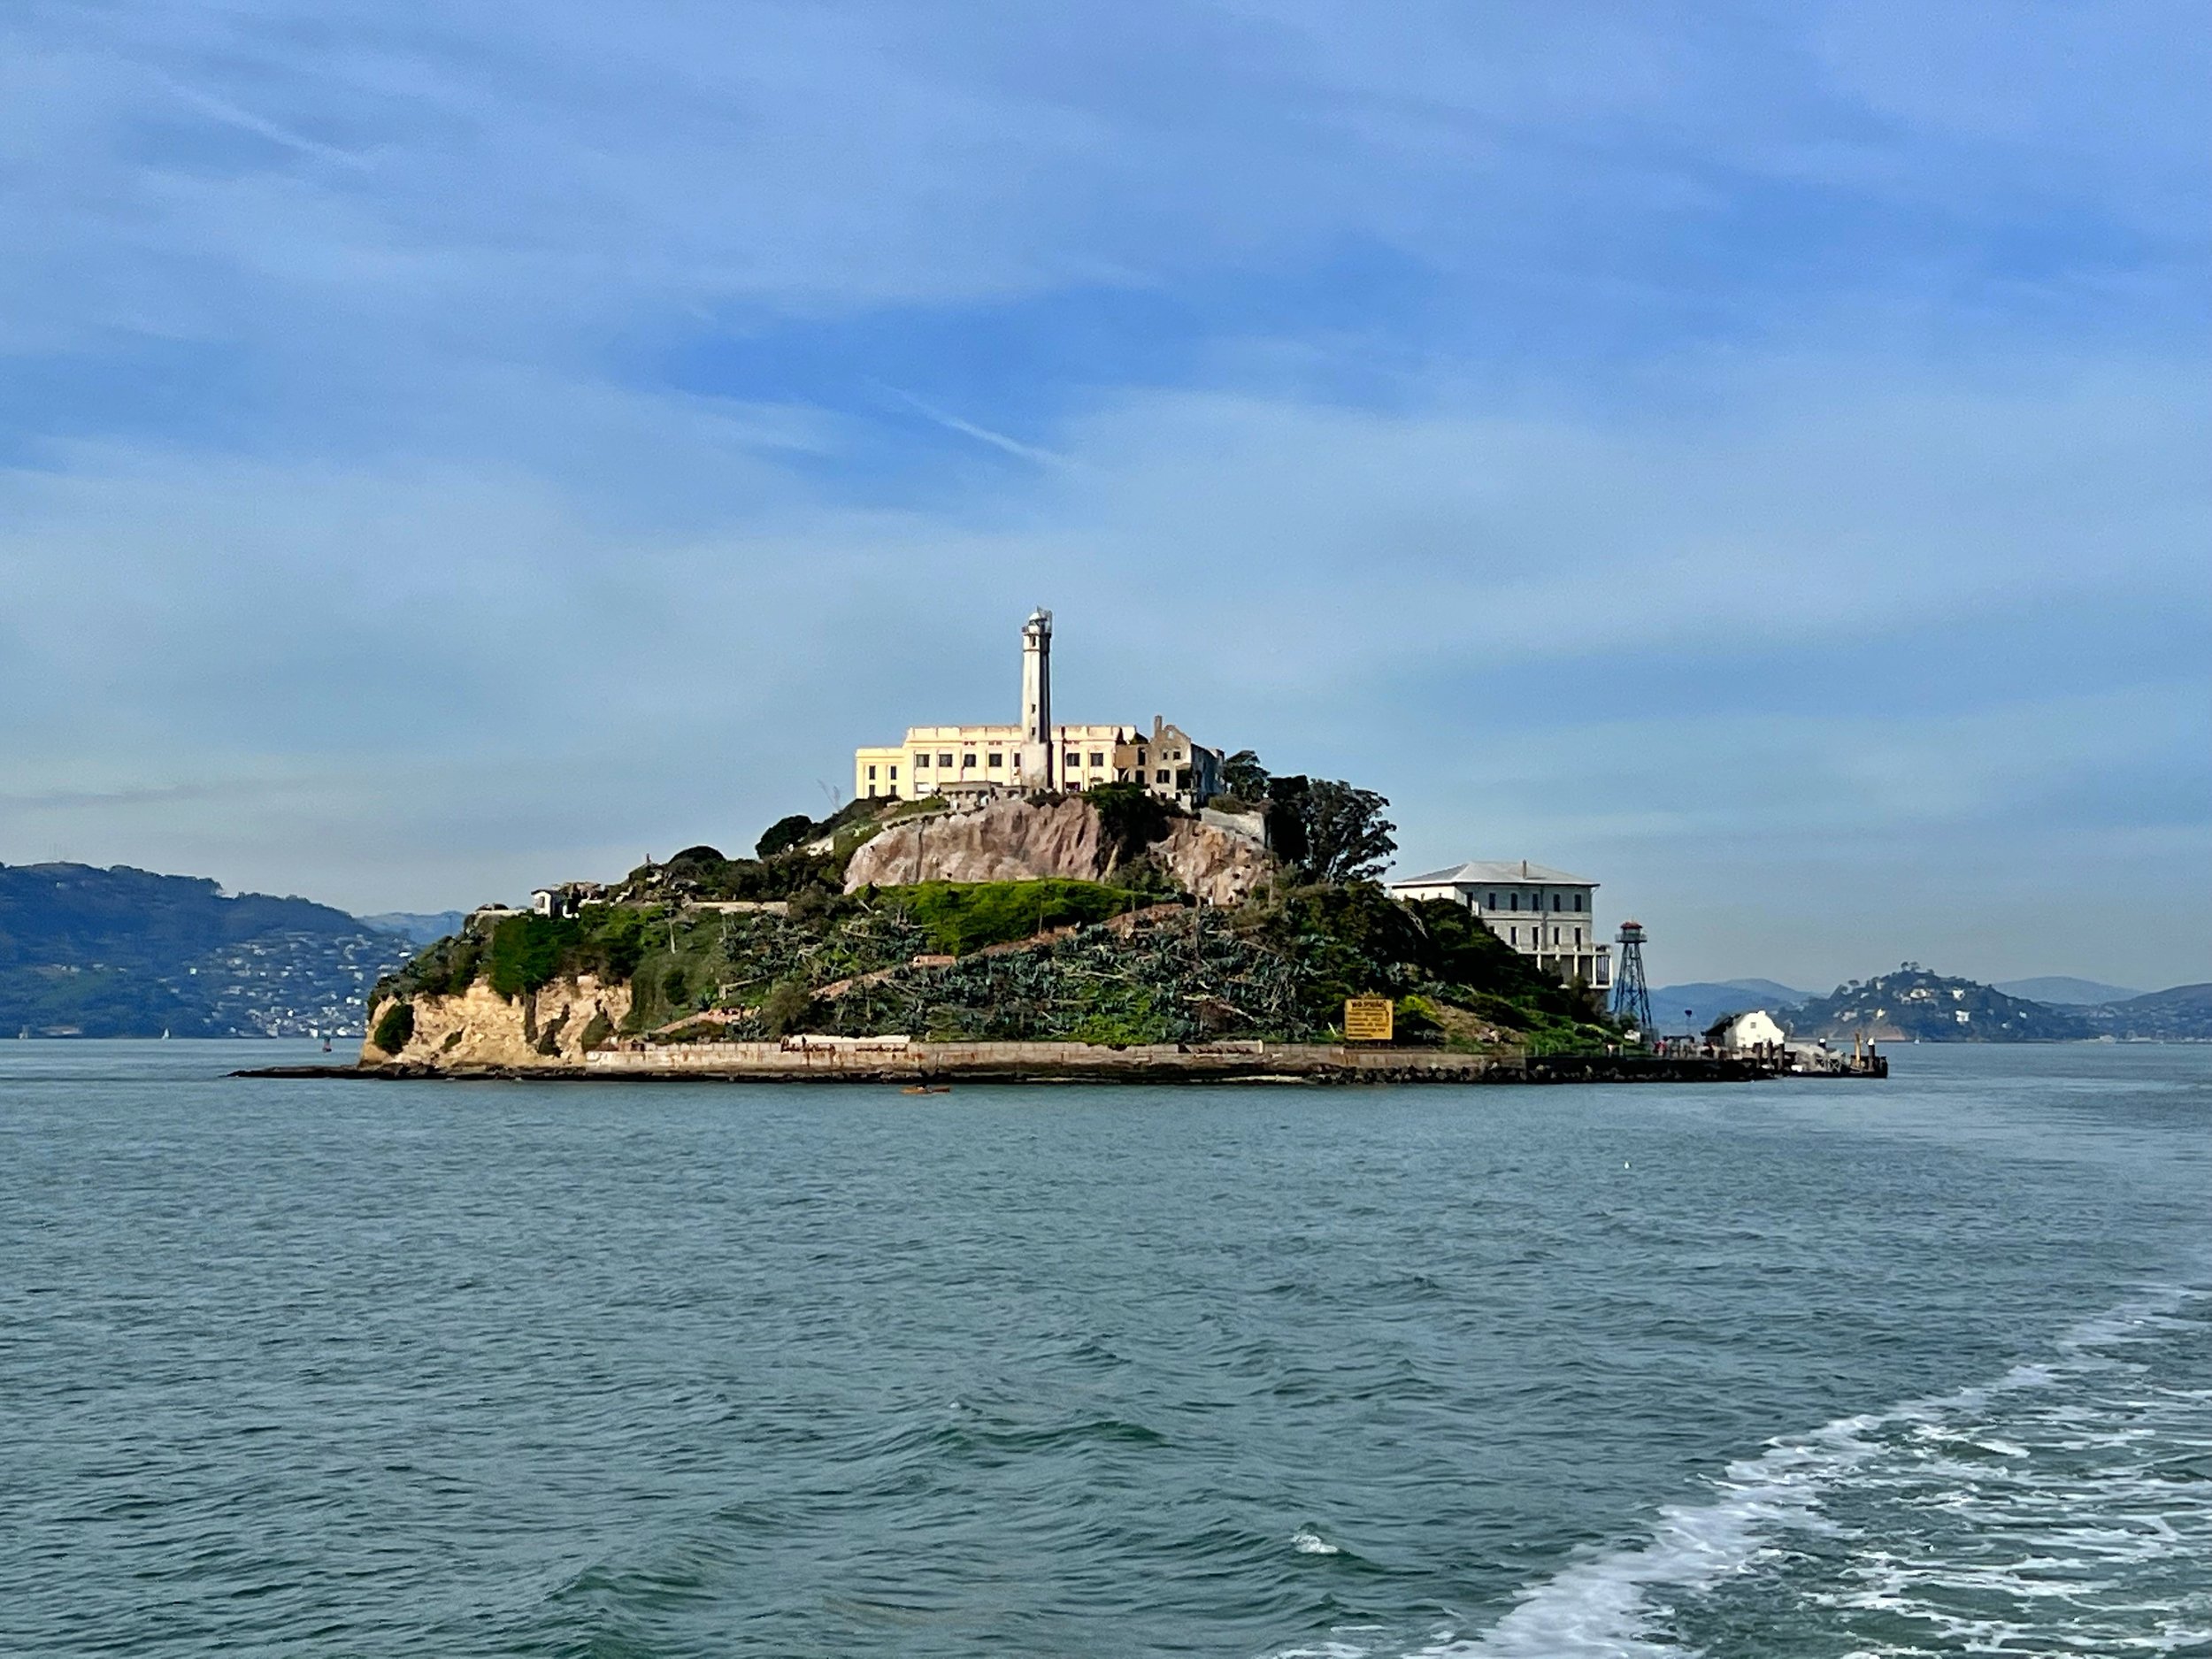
(2062, 1507)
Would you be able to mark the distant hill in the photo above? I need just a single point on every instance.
(2065, 992)
(1709, 1000)
(2182, 1014)
(1913, 1004)
(417, 926)
(1772, 990)
(128, 953)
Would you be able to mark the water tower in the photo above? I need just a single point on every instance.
(1632, 996)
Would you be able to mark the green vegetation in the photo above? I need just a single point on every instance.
(961, 917)
(397, 1025)
(1131, 818)
(785, 1008)
(1327, 830)
(1278, 966)
(1243, 776)
(783, 835)
(528, 951)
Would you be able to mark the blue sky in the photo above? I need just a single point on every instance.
(1753, 454)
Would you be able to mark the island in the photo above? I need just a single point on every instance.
(1105, 933)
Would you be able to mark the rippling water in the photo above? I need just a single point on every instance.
(1813, 1368)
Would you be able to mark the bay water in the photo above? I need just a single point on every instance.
(1802, 1368)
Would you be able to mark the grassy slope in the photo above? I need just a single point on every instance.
(1279, 967)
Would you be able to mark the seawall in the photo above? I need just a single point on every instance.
(905, 1061)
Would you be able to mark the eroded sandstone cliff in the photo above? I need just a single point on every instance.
(552, 1027)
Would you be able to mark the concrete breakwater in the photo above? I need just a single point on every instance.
(909, 1061)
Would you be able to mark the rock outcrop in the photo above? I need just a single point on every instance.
(1213, 864)
(1022, 840)
(552, 1027)
(1007, 840)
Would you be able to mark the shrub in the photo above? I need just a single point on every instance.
(784, 835)
(396, 1028)
(864, 811)
(786, 1007)
(1417, 1019)
(621, 944)
(462, 963)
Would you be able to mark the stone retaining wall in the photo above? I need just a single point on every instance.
(913, 1061)
(907, 1061)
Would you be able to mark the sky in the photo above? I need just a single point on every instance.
(1753, 455)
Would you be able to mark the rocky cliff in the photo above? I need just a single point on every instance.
(1025, 841)
(550, 1026)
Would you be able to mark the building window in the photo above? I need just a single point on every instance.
(921, 762)
(871, 792)
(1513, 935)
(1555, 903)
(1582, 900)
(997, 760)
(1098, 760)
(1490, 902)
(1159, 777)
(944, 760)
(967, 761)
(871, 774)
(1074, 758)
(1140, 758)
(1516, 898)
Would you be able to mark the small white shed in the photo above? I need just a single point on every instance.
(1741, 1033)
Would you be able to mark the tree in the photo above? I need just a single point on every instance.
(1243, 777)
(783, 835)
(1328, 830)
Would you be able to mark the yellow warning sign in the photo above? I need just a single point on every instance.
(1367, 1019)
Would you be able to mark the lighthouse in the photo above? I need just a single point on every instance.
(1037, 757)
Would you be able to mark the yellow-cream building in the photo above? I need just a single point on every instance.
(1037, 752)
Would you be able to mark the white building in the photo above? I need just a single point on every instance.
(1752, 1032)
(1545, 914)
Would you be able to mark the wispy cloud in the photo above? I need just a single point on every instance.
(969, 429)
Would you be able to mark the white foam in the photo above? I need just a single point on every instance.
(1600, 1608)
(1306, 1541)
(1596, 1608)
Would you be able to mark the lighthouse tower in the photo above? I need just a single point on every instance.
(1037, 756)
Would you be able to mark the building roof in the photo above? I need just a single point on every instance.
(1479, 872)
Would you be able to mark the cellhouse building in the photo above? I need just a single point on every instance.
(1037, 754)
